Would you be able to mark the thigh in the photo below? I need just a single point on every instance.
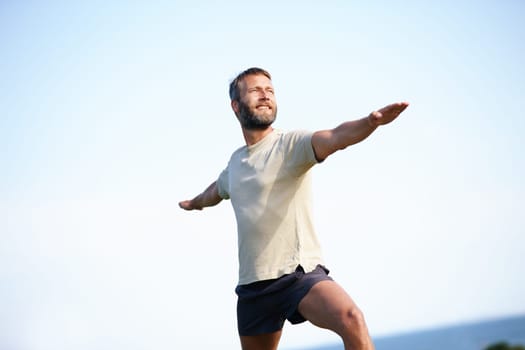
(326, 304)
(268, 341)
(262, 306)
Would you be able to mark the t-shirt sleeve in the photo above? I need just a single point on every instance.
(300, 153)
(223, 184)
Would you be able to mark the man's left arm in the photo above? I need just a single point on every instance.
(326, 142)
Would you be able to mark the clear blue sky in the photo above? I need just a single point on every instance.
(112, 112)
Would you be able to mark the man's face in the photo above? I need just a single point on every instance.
(256, 109)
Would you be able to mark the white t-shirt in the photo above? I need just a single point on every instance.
(269, 187)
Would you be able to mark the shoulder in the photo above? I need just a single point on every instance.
(297, 147)
(238, 152)
(297, 134)
(297, 137)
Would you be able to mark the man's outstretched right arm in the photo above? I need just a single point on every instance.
(208, 198)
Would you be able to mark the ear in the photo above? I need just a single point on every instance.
(235, 106)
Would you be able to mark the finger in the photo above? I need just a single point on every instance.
(402, 106)
(396, 106)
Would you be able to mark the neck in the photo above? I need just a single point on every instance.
(253, 136)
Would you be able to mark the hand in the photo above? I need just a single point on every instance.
(386, 114)
(188, 205)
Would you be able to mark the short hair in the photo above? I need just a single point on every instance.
(235, 92)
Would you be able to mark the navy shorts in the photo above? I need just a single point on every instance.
(263, 306)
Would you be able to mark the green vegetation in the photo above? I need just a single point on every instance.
(504, 346)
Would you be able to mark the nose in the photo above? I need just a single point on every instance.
(264, 95)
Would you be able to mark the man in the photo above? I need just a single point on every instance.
(281, 272)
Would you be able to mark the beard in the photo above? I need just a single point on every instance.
(251, 119)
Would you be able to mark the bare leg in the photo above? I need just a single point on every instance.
(328, 306)
(261, 342)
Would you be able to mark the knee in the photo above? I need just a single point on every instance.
(352, 321)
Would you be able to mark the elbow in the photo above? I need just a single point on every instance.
(337, 145)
